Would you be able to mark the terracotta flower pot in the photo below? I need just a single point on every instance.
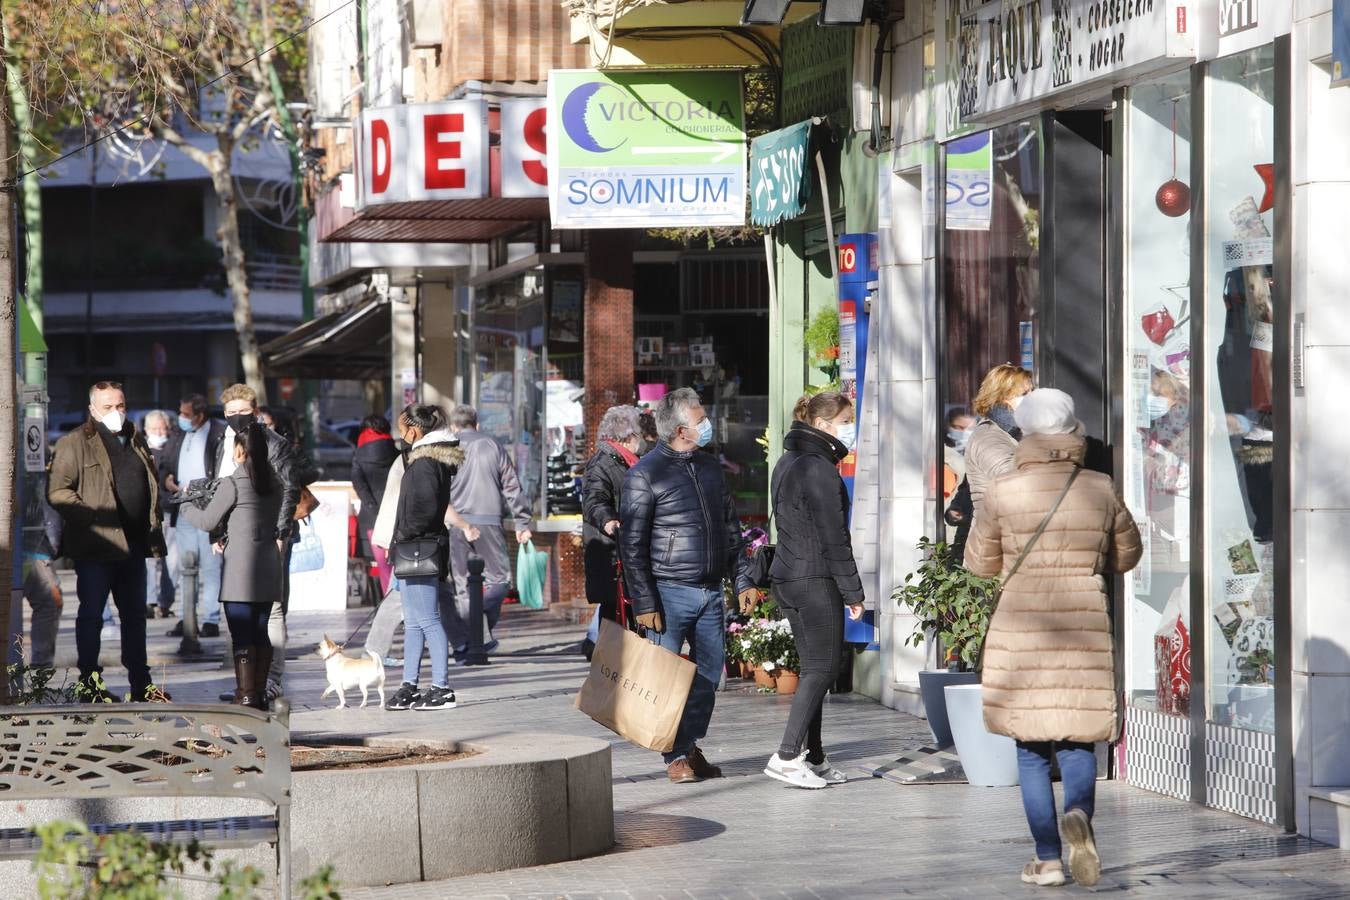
(762, 678)
(746, 670)
(786, 682)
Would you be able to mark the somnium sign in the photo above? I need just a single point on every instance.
(646, 149)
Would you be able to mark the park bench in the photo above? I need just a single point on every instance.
(148, 750)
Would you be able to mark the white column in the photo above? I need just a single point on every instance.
(1321, 435)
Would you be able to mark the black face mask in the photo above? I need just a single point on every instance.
(240, 422)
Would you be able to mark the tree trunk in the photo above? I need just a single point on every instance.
(31, 196)
(236, 274)
(9, 425)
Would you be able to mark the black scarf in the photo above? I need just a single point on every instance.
(1002, 416)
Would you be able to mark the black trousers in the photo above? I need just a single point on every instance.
(815, 610)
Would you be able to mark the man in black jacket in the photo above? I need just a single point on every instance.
(680, 539)
(193, 452)
(293, 472)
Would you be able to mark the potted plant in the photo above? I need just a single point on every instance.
(737, 644)
(953, 606)
(822, 341)
(779, 654)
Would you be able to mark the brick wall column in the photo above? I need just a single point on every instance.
(608, 317)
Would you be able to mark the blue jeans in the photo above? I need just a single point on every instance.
(125, 580)
(248, 623)
(1078, 774)
(422, 626)
(191, 539)
(697, 615)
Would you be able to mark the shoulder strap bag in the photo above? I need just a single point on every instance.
(423, 557)
(761, 558)
(1021, 558)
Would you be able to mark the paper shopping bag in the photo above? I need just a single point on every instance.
(636, 689)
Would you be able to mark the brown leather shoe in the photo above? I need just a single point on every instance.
(702, 768)
(681, 772)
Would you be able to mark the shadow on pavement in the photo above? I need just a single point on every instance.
(644, 830)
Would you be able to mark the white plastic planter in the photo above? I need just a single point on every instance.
(989, 760)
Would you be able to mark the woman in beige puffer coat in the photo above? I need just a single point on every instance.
(1049, 662)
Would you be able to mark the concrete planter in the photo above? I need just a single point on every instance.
(988, 759)
(932, 687)
(524, 800)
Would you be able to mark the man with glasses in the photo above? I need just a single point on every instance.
(191, 454)
(104, 486)
(680, 539)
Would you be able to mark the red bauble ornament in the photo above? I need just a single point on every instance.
(1174, 198)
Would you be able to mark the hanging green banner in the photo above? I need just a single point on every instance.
(780, 178)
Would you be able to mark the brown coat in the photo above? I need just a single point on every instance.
(80, 490)
(1049, 662)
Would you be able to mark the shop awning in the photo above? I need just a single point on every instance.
(352, 344)
(444, 221)
(780, 174)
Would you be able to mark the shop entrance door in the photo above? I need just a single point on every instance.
(1073, 314)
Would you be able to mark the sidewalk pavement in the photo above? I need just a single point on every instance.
(746, 836)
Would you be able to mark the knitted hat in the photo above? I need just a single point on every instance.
(1046, 411)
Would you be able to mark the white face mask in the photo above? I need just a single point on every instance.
(113, 421)
(157, 441)
(1158, 406)
(848, 434)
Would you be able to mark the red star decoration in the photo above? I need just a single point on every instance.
(1267, 173)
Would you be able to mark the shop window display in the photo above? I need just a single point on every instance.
(991, 255)
(510, 344)
(1158, 458)
(1239, 440)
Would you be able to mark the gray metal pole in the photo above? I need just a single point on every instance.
(191, 585)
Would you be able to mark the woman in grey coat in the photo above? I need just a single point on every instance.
(245, 509)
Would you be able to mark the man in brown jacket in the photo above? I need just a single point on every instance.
(103, 485)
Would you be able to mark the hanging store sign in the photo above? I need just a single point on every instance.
(970, 182)
(1013, 54)
(524, 147)
(780, 175)
(646, 149)
(1340, 42)
(423, 151)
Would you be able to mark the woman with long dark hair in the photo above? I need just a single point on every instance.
(814, 575)
(242, 514)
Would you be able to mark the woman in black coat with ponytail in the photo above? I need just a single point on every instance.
(814, 574)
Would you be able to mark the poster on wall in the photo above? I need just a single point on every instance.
(857, 285)
(970, 182)
(1340, 43)
(646, 149)
(1001, 55)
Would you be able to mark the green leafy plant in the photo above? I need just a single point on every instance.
(950, 602)
(76, 864)
(768, 643)
(822, 341)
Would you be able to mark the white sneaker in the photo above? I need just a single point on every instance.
(829, 773)
(794, 772)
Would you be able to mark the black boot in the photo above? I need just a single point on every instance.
(264, 664)
(245, 675)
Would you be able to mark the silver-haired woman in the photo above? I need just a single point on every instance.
(617, 442)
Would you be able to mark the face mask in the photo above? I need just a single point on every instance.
(705, 432)
(113, 421)
(1158, 406)
(958, 438)
(848, 434)
(186, 424)
(157, 441)
(240, 422)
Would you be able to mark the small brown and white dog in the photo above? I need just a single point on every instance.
(345, 672)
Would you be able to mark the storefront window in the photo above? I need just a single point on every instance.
(991, 253)
(1239, 439)
(991, 272)
(1158, 459)
(510, 342)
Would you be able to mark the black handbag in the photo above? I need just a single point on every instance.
(421, 557)
(761, 558)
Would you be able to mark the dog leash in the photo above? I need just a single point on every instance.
(364, 622)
